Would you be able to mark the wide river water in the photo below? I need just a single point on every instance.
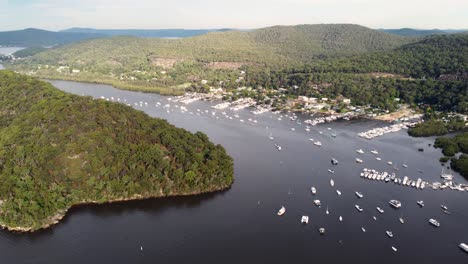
(240, 225)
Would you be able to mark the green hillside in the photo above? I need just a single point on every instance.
(162, 65)
(58, 150)
(32, 37)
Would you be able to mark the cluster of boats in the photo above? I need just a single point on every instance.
(377, 132)
(419, 184)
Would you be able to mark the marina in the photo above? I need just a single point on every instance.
(265, 181)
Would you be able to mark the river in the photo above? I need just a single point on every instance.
(240, 225)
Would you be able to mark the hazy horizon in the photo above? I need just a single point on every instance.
(240, 14)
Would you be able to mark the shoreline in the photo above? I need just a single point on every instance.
(53, 220)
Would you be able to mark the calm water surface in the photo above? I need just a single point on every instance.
(240, 225)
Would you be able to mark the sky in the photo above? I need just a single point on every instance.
(242, 14)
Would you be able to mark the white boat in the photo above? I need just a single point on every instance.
(317, 202)
(402, 220)
(278, 147)
(358, 208)
(390, 163)
(375, 218)
(395, 203)
(360, 151)
(420, 203)
(394, 249)
(444, 207)
(327, 212)
(293, 129)
(434, 222)
(359, 195)
(389, 233)
(358, 160)
(375, 152)
(334, 161)
(313, 190)
(331, 171)
(464, 247)
(311, 139)
(305, 219)
(340, 218)
(338, 192)
(380, 210)
(282, 210)
(363, 229)
(322, 230)
(141, 248)
(404, 165)
(318, 143)
(378, 158)
(332, 183)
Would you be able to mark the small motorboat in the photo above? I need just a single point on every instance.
(331, 171)
(332, 183)
(390, 163)
(434, 222)
(394, 249)
(359, 195)
(358, 208)
(358, 160)
(340, 218)
(327, 212)
(363, 229)
(404, 166)
(375, 152)
(420, 203)
(401, 220)
(322, 231)
(380, 210)
(389, 233)
(334, 161)
(464, 247)
(444, 207)
(281, 211)
(338, 192)
(305, 219)
(313, 190)
(360, 151)
(318, 143)
(278, 147)
(395, 203)
(378, 158)
(317, 202)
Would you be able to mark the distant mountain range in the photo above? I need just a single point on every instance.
(37, 37)
(421, 32)
(146, 33)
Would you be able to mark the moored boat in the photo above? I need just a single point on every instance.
(358, 208)
(359, 195)
(305, 219)
(395, 203)
(434, 222)
(313, 190)
(281, 211)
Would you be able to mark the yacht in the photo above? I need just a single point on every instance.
(360, 151)
(338, 192)
(421, 203)
(464, 247)
(332, 183)
(305, 219)
(313, 190)
(358, 208)
(317, 202)
(358, 160)
(334, 161)
(389, 233)
(434, 222)
(318, 143)
(322, 230)
(375, 152)
(359, 195)
(380, 210)
(278, 147)
(395, 203)
(331, 171)
(282, 210)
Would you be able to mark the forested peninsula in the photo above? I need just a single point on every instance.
(58, 150)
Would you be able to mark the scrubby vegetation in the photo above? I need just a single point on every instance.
(58, 150)
(451, 146)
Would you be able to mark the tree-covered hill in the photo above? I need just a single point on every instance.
(32, 37)
(58, 150)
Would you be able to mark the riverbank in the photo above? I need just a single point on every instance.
(55, 219)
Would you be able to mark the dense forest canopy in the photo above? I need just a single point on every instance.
(57, 150)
